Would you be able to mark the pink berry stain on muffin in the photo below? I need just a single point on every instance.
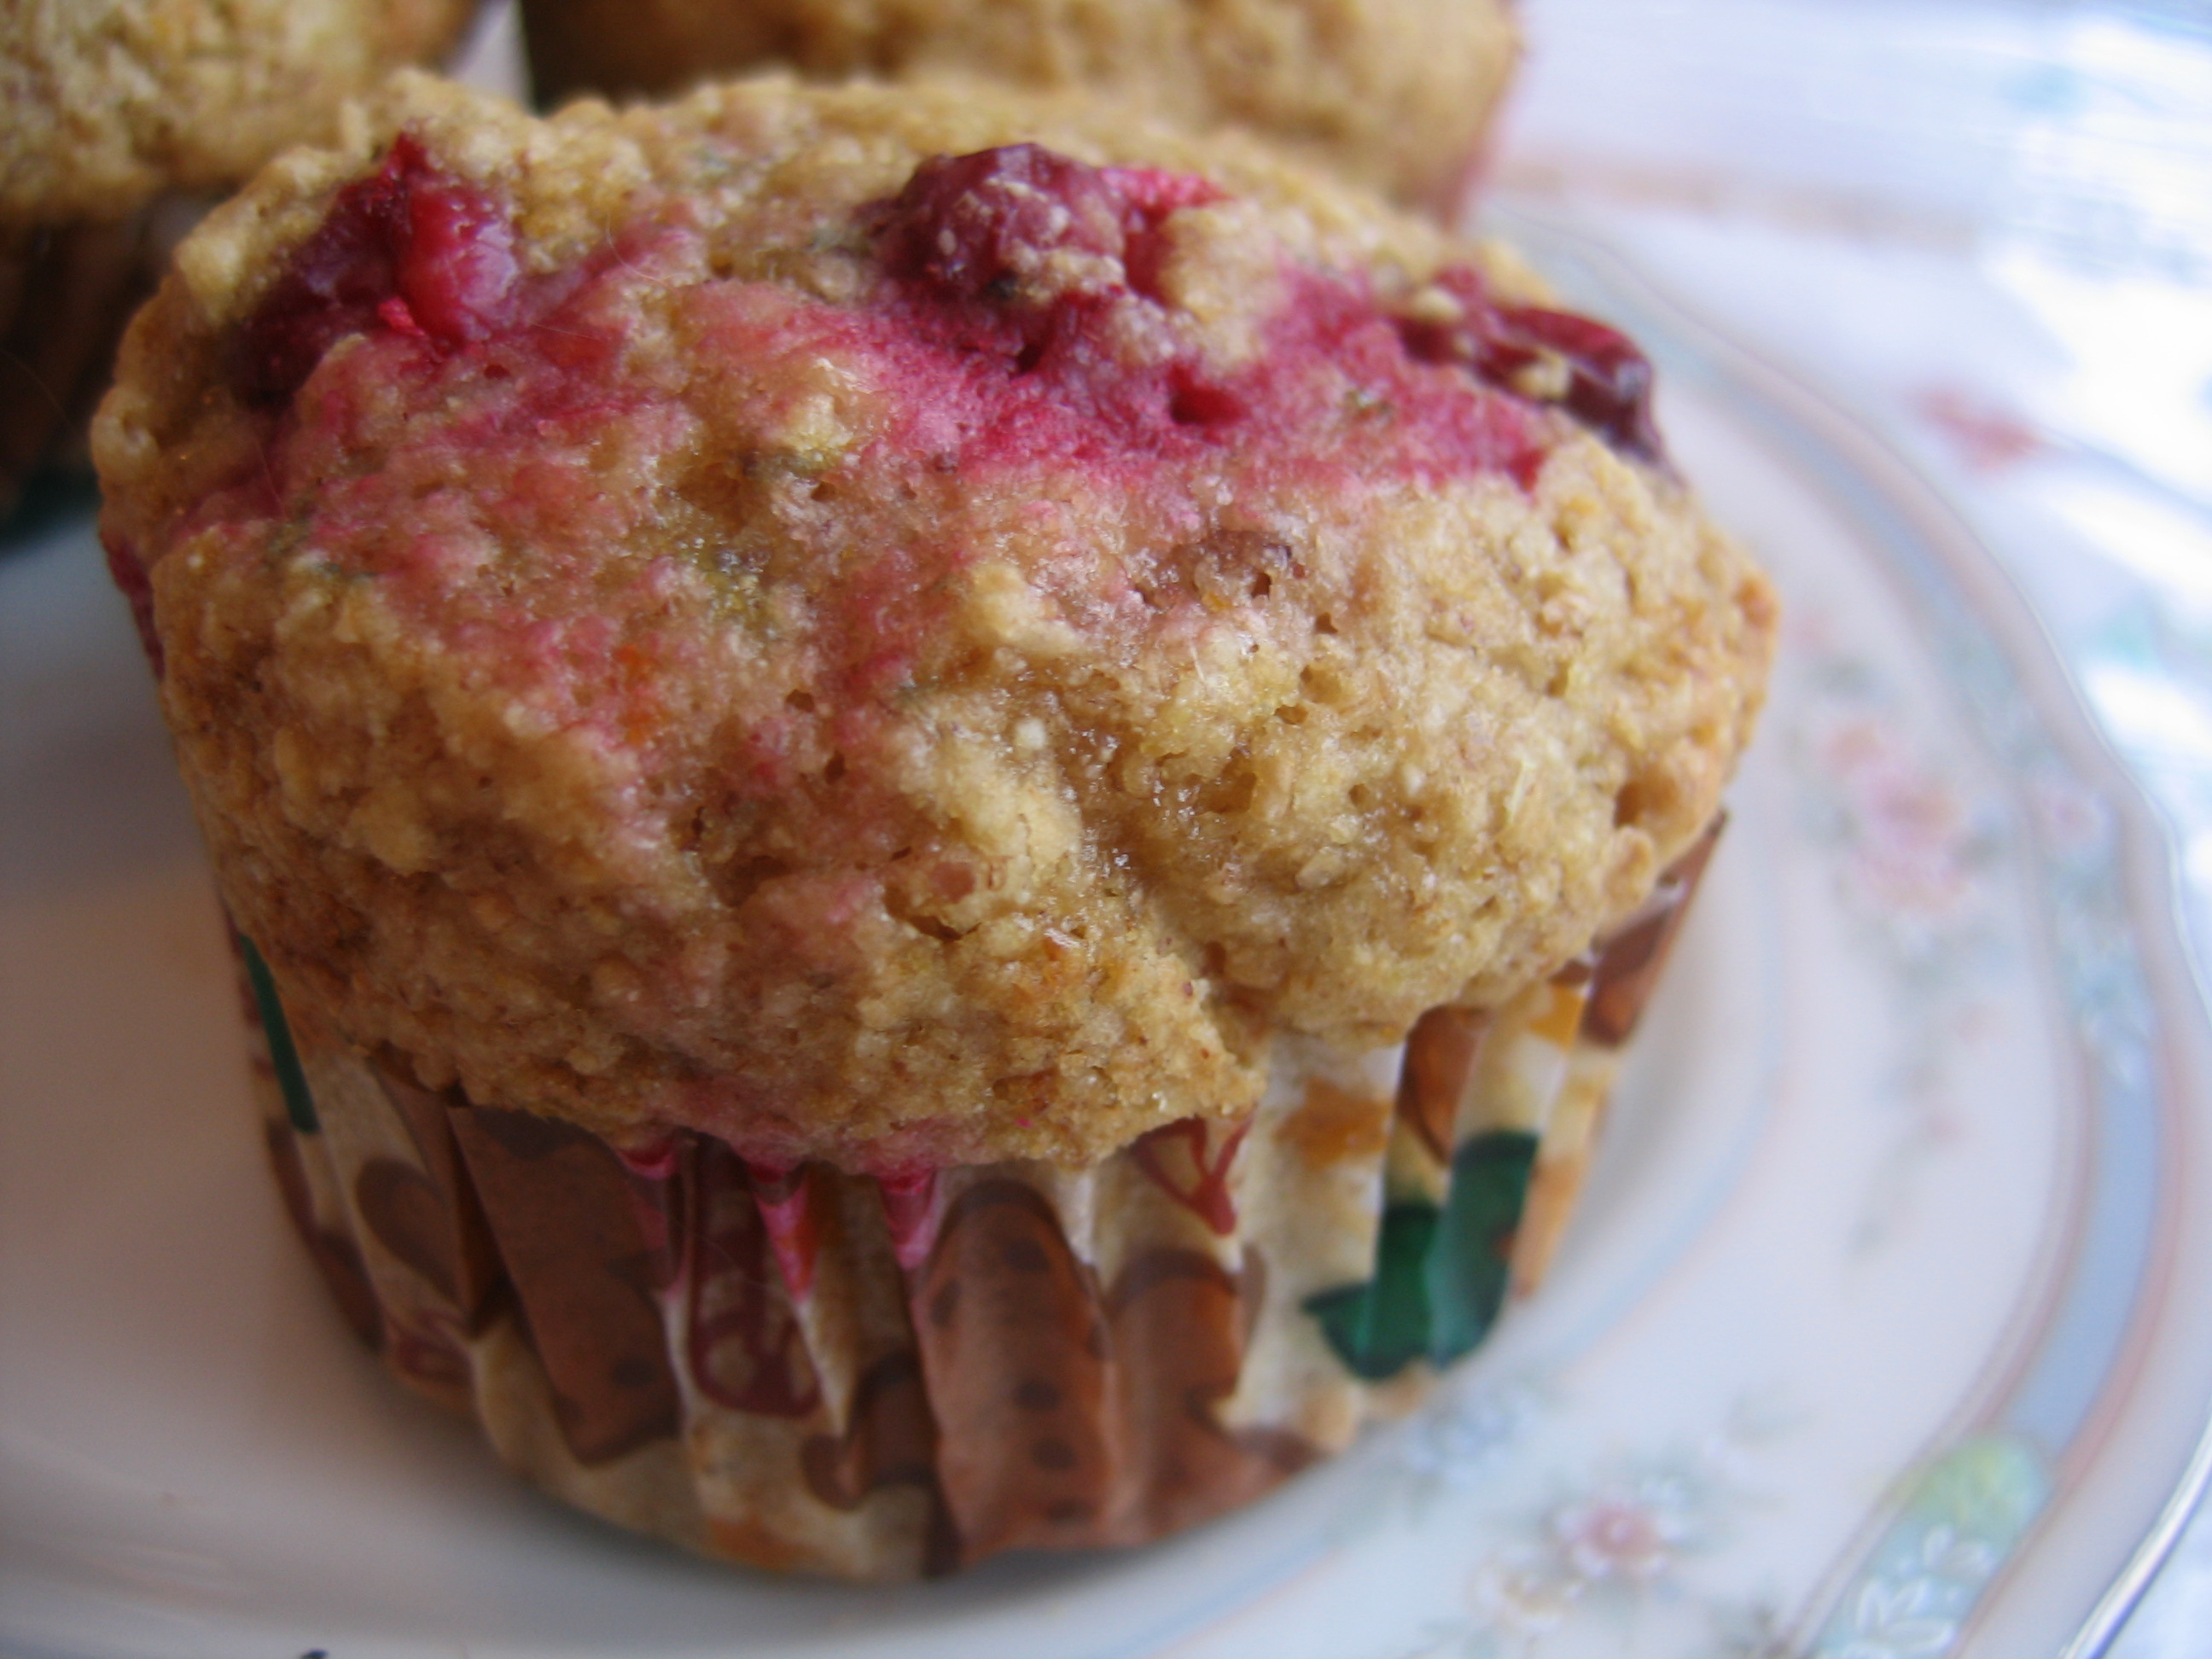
(1010, 333)
(408, 249)
(692, 567)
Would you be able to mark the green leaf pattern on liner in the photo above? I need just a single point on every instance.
(1440, 1274)
(283, 1056)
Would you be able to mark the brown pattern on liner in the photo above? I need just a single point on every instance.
(65, 292)
(305, 1183)
(1440, 1055)
(1623, 974)
(588, 1276)
(803, 1368)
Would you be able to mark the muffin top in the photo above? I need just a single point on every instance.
(106, 102)
(1396, 94)
(898, 626)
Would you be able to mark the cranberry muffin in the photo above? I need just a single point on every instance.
(888, 757)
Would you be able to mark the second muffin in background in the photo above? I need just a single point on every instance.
(116, 118)
(1397, 94)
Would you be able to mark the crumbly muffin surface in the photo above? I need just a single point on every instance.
(106, 102)
(895, 627)
(1393, 93)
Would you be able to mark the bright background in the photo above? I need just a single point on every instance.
(1986, 229)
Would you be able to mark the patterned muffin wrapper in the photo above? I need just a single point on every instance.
(806, 1368)
(67, 290)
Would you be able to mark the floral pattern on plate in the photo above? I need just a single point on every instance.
(1885, 1329)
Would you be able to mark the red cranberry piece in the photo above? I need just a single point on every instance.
(1193, 402)
(331, 287)
(969, 225)
(458, 262)
(971, 241)
(407, 234)
(1608, 379)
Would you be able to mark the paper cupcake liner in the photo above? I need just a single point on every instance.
(812, 1368)
(66, 292)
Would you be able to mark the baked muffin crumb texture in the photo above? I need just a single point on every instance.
(107, 102)
(1394, 93)
(900, 626)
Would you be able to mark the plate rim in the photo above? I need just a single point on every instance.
(2148, 866)
(2149, 870)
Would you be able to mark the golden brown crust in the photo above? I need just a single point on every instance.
(1337, 756)
(107, 102)
(1396, 94)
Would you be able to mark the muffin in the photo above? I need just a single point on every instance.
(944, 812)
(1394, 93)
(65, 292)
(117, 112)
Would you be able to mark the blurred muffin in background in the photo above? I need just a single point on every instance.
(1396, 94)
(117, 113)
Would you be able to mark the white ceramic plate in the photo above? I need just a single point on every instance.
(1886, 1331)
